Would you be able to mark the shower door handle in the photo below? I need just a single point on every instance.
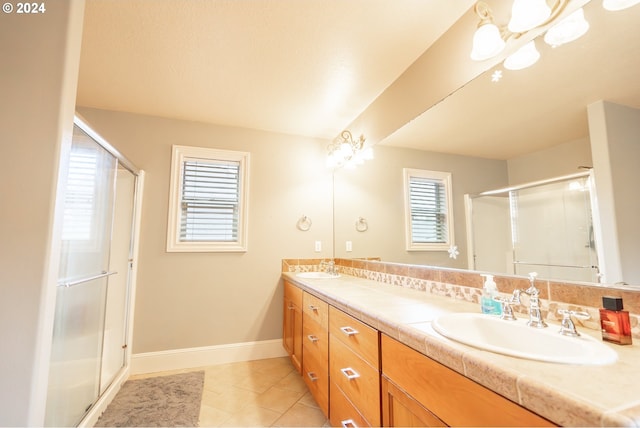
(87, 279)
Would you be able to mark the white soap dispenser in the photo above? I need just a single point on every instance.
(488, 303)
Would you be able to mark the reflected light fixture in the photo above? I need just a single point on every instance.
(528, 14)
(345, 151)
(614, 5)
(489, 39)
(569, 29)
(524, 57)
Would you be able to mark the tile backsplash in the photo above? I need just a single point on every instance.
(467, 285)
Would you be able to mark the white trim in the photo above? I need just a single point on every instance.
(445, 178)
(178, 155)
(178, 359)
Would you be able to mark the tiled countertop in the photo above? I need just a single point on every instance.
(569, 395)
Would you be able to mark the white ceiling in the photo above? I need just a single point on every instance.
(302, 67)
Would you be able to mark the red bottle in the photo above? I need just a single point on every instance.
(615, 323)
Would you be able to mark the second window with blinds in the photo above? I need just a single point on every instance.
(208, 200)
(428, 210)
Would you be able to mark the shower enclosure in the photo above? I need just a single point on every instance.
(546, 227)
(90, 346)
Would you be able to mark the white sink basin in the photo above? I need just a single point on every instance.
(317, 275)
(516, 339)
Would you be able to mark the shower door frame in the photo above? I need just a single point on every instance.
(109, 393)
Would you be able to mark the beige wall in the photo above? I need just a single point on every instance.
(189, 300)
(40, 57)
(375, 191)
(555, 161)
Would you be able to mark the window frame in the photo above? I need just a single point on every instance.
(180, 154)
(445, 179)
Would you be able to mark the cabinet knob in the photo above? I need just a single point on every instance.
(313, 308)
(349, 331)
(312, 376)
(348, 423)
(312, 338)
(350, 373)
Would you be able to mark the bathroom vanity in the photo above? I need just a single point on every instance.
(385, 365)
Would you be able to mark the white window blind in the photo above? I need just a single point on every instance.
(208, 200)
(428, 210)
(80, 197)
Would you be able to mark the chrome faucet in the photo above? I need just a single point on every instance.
(535, 314)
(328, 266)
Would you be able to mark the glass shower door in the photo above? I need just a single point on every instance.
(76, 357)
(120, 259)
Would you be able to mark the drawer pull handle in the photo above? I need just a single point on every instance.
(350, 373)
(348, 423)
(313, 308)
(312, 376)
(349, 331)
(313, 338)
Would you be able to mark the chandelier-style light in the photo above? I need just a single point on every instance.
(614, 5)
(345, 151)
(489, 39)
(569, 29)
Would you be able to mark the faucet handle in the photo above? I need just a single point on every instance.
(507, 310)
(567, 327)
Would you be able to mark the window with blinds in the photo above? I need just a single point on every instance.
(429, 217)
(209, 189)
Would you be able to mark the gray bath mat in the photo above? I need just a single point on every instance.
(163, 401)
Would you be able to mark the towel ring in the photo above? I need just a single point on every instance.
(304, 223)
(362, 225)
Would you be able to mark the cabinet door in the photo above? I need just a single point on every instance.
(292, 324)
(399, 409)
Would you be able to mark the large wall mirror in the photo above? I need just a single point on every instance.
(531, 125)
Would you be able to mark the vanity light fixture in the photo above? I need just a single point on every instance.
(526, 15)
(569, 29)
(345, 151)
(524, 57)
(614, 5)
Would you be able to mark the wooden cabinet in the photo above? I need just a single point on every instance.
(315, 349)
(292, 324)
(402, 410)
(418, 390)
(354, 371)
(359, 377)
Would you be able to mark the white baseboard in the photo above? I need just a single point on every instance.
(178, 359)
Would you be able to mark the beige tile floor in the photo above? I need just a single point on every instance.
(260, 393)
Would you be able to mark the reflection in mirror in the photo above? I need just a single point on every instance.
(531, 126)
(544, 227)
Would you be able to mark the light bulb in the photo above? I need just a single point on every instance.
(487, 42)
(528, 14)
(614, 5)
(524, 57)
(567, 30)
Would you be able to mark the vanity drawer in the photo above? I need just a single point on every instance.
(343, 412)
(315, 372)
(316, 309)
(357, 379)
(315, 340)
(359, 337)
